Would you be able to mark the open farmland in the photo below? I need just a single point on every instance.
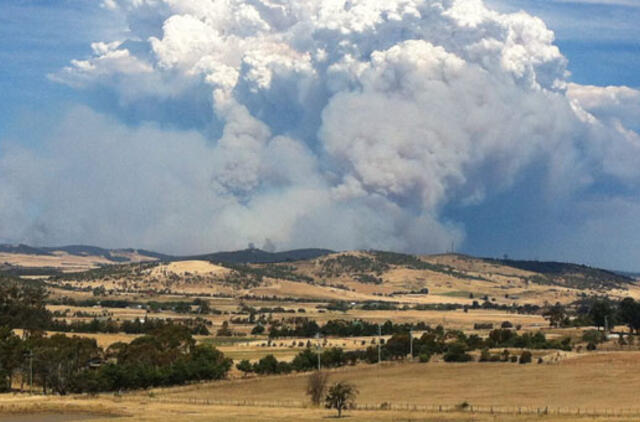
(599, 381)
(281, 210)
(599, 384)
(357, 276)
(268, 317)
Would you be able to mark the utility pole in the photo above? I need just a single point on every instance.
(606, 324)
(29, 355)
(318, 349)
(379, 345)
(411, 344)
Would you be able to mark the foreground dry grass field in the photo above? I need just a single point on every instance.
(599, 380)
(602, 383)
(110, 409)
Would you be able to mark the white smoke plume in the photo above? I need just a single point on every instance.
(342, 124)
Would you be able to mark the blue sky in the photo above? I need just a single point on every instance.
(38, 37)
(601, 39)
(52, 120)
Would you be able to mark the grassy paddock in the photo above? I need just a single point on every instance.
(111, 409)
(589, 382)
(591, 387)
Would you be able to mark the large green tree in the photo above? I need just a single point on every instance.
(11, 356)
(602, 313)
(629, 312)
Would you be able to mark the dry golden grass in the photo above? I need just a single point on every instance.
(192, 267)
(599, 380)
(457, 319)
(104, 340)
(67, 262)
(504, 285)
(107, 408)
(251, 348)
(61, 261)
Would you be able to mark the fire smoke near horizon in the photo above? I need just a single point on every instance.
(339, 124)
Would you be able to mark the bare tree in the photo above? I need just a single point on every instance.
(317, 386)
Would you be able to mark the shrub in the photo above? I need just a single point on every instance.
(245, 366)
(457, 353)
(463, 406)
(591, 346)
(424, 357)
(267, 365)
(594, 336)
(526, 357)
(258, 329)
(485, 355)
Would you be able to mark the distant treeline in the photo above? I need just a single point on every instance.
(308, 328)
(453, 345)
(571, 275)
(60, 364)
(181, 307)
(24, 306)
(596, 311)
(196, 326)
(378, 262)
(167, 355)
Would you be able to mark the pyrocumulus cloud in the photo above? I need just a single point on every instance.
(342, 124)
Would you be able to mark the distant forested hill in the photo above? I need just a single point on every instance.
(569, 275)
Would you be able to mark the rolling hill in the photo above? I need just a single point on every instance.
(258, 256)
(246, 256)
(321, 274)
(570, 275)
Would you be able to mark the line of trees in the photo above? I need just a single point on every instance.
(596, 311)
(197, 306)
(453, 345)
(24, 306)
(308, 328)
(62, 364)
(166, 355)
(196, 326)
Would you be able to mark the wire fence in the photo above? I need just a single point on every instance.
(425, 408)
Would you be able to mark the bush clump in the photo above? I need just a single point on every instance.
(526, 357)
